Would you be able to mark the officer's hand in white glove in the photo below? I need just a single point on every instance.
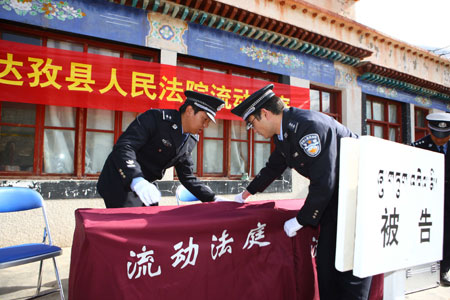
(221, 199)
(291, 227)
(238, 198)
(242, 196)
(146, 191)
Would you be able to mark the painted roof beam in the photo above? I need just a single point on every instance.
(251, 32)
(155, 5)
(221, 22)
(244, 30)
(228, 25)
(185, 14)
(175, 11)
(259, 34)
(212, 20)
(166, 8)
(203, 18)
(194, 16)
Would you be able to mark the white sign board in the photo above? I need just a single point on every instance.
(391, 200)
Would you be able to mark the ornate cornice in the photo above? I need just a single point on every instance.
(392, 78)
(221, 16)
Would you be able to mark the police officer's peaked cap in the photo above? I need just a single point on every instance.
(253, 102)
(439, 124)
(210, 104)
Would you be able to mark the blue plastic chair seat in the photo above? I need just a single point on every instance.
(13, 199)
(25, 253)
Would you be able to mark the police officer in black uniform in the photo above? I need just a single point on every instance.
(155, 141)
(308, 142)
(438, 141)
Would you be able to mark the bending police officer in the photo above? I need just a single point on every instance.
(155, 141)
(308, 142)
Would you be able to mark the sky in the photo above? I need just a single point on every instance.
(423, 23)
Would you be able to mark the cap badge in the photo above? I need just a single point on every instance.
(311, 144)
(442, 125)
(174, 126)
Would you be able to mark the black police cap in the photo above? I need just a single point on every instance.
(439, 124)
(210, 104)
(253, 102)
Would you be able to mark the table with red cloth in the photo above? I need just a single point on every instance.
(214, 251)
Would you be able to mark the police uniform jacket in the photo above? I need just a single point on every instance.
(310, 145)
(152, 143)
(428, 144)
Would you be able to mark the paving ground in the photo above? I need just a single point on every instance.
(20, 282)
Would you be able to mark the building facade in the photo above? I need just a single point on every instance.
(74, 74)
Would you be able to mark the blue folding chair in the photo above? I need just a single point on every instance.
(13, 199)
(183, 194)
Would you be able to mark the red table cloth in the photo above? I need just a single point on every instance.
(214, 251)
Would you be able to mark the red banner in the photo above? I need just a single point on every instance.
(42, 75)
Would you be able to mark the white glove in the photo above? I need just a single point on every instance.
(221, 199)
(146, 191)
(291, 227)
(238, 198)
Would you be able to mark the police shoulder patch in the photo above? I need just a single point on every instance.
(311, 144)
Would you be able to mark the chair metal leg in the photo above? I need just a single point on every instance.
(39, 284)
(61, 291)
(39, 278)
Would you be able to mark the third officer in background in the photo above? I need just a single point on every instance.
(438, 141)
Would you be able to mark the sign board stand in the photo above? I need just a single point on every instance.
(394, 285)
(390, 214)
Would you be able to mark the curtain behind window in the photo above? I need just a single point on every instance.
(59, 144)
(262, 153)
(98, 144)
(213, 148)
(239, 150)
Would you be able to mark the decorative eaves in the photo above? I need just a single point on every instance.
(221, 16)
(224, 17)
(392, 78)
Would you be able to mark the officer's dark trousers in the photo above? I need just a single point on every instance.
(332, 283)
(445, 263)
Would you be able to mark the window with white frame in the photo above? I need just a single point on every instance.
(383, 118)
